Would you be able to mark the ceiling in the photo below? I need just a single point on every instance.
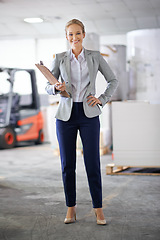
(105, 17)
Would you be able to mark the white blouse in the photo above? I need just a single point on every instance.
(79, 76)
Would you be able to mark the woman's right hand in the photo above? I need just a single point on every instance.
(60, 86)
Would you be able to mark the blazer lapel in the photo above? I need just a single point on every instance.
(88, 57)
(67, 69)
(68, 66)
(89, 60)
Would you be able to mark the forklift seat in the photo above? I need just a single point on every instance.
(15, 109)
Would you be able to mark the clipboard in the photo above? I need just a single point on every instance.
(51, 79)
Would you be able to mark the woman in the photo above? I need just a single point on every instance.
(78, 68)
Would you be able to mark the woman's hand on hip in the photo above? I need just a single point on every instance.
(60, 86)
(92, 101)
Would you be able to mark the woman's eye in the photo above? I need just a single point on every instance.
(78, 33)
(70, 34)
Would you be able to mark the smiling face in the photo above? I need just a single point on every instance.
(75, 36)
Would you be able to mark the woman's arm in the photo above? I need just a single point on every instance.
(51, 89)
(110, 78)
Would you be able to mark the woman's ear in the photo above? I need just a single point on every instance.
(84, 34)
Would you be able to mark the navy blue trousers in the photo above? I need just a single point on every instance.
(89, 129)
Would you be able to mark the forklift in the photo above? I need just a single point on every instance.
(21, 119)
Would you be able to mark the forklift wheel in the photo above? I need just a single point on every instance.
(40, 138)
(7, 138)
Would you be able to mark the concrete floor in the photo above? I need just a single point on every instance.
(32, 201)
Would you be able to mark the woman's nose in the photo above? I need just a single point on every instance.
(74, 37)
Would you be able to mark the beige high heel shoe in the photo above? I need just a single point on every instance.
(70, 220)
(99, 221)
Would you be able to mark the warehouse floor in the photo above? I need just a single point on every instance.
(32, 200)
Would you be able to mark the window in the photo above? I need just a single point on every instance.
(4, 83)
(22, 86)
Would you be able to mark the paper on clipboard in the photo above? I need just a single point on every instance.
(52, 80)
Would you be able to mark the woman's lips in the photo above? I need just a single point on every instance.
(75, 42)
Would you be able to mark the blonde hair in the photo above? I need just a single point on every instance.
(75, 21)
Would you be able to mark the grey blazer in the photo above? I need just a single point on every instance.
(95, 62)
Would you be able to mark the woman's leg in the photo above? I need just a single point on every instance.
(89, 132)
(67, 135)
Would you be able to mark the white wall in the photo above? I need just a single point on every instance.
(18, 53)
(24, 53)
